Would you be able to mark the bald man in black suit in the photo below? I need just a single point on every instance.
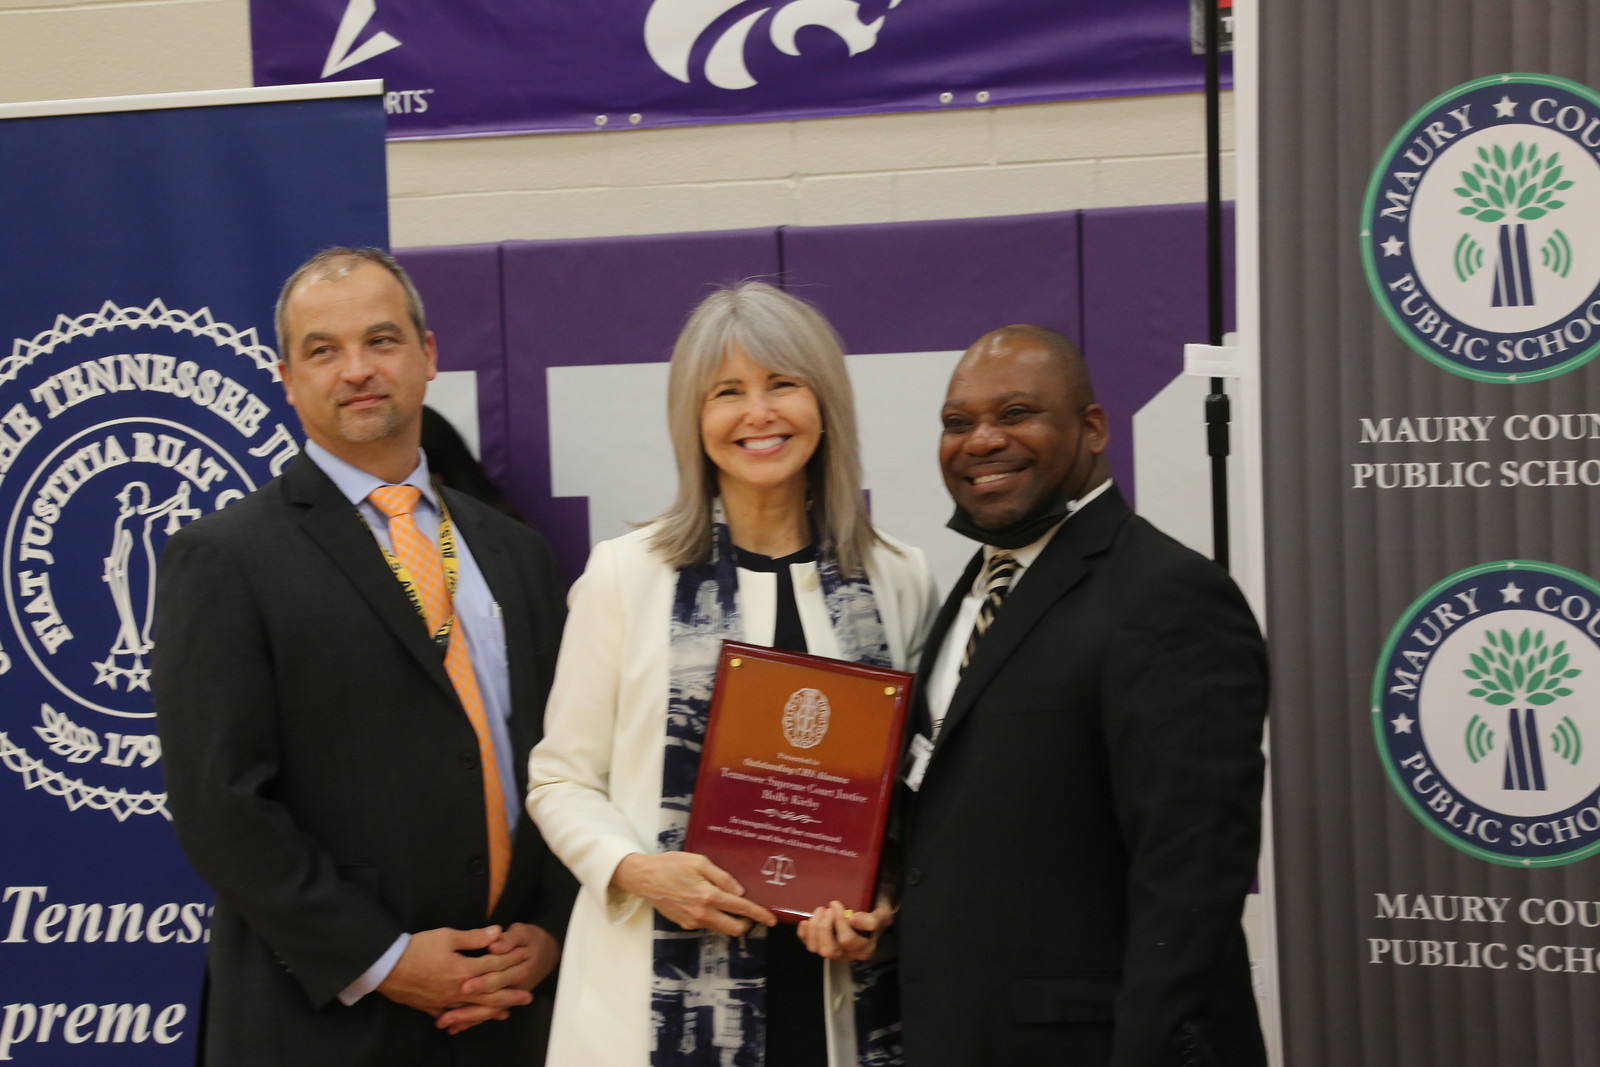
(1086, 813)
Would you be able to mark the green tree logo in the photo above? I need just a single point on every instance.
(1521, 670)
(1518, 185)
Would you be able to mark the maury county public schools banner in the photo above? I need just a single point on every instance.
(492, 66)
(140, 254)
(1431, 296)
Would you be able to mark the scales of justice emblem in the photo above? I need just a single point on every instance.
(778, 870)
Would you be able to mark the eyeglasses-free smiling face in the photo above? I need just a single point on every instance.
(355, 370)
(1014, 434)
(758, 427)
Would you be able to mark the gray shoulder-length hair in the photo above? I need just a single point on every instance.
(786, 336)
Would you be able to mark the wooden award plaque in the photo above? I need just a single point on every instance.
(796, 776)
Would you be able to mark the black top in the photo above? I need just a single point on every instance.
(796, 1015)
(787, 633)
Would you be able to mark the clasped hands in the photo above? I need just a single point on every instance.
(461, 991)
(696, 894)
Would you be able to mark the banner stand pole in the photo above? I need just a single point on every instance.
(1217, 408)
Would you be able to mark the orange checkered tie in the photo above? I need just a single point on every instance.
(421, 559)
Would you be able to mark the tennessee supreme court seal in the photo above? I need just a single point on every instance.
(1480, 231)
(1484, 711)
(117, 428)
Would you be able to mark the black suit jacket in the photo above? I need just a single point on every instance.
(1078, 856)
(323, 776)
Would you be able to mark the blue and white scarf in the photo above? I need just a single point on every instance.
(708, 990)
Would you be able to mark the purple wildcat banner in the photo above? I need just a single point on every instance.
(468, 67)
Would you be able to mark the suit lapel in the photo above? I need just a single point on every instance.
(1065, 561)
(335, 526)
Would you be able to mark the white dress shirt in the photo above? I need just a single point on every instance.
(946, 671)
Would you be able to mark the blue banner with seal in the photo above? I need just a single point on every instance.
(142, 243)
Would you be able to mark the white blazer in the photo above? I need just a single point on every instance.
(594, 782)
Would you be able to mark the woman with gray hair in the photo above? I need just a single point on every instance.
(768, 541)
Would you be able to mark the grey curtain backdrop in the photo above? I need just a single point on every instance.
(1339, 80)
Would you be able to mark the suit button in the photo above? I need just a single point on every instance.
(478, 865)
(467, 759)
(914, 876)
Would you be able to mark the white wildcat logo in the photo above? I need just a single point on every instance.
(673, 26)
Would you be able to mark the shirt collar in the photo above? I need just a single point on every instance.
(1030, 552)
(356, 484)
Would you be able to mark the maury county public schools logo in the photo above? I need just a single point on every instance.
(1481, 228)
(117, 428)
(1486, 710)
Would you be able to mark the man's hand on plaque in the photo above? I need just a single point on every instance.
(691, 891)
(837, 933)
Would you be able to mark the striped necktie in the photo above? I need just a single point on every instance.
(1001, 568)
(420, 558)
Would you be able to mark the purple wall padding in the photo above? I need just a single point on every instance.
(460, 289)
(593, 302)
(936, 286)
(1127, 283)
(1144, 298)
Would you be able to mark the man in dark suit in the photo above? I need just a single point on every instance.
(1085, 813)
(345, 753)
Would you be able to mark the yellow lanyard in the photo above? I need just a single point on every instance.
(452, 575)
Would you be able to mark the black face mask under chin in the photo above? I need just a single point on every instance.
(1031, 527)
(1024, 531)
